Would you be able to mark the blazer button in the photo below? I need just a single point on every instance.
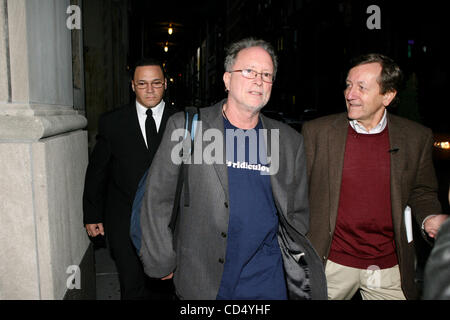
(221, 260)
(224, 235)
(226, 204)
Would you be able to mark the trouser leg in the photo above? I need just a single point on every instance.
(381, 284)
(131, 274)
(342, 281)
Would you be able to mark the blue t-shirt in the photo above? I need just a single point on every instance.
(253, 264)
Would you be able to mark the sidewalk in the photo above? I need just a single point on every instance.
(107, 279)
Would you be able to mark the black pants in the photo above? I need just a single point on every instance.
(134, 283)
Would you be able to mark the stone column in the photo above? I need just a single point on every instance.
(43, 152)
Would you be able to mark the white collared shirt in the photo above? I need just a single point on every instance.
(157, 111)
(377, 129)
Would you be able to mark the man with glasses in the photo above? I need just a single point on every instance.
(127, 141)
(240, 232)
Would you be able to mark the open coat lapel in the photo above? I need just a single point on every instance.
(278, 183)
(337, 138)
(214, 119)
(398, 166)
(165, 117)
(305, 277)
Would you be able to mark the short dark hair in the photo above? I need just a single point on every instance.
(147, 61)
(391, 76)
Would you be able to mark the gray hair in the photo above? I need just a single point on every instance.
(236, 47)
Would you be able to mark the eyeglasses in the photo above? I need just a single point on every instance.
(252, 74)
(144, 84)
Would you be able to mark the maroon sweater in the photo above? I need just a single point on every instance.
(364, 233)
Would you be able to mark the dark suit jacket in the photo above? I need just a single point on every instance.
(437, 270)
(197, 249)
(413, 183)
(117, 163)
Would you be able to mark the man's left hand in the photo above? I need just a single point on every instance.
(433, 224)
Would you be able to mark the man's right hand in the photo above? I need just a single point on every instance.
(168, 277)
(94, 229)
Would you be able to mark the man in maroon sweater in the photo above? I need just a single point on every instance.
(368, 172)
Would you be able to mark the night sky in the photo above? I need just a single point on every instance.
(319, 38)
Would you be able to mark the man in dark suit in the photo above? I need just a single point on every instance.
(368, 172)
(127, 140)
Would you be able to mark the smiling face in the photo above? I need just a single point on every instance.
(149, 97)
(363, 96)
(249, 94)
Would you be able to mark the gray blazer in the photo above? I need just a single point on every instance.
(195, 251)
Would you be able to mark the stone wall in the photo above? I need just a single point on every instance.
(43, 152)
